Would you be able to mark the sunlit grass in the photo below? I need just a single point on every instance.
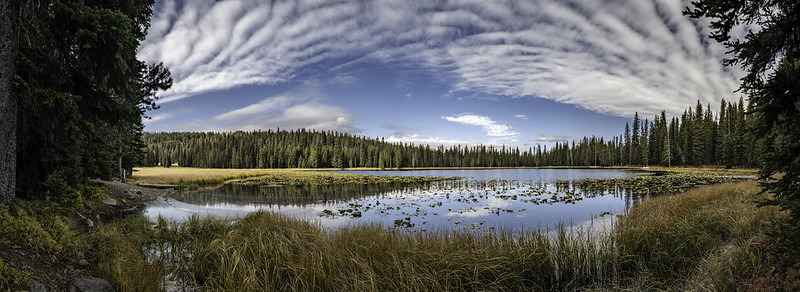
(175, 175)
(698, 240)
(192, 177)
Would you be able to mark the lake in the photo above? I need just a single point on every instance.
(484, 200)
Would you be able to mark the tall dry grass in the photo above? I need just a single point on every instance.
(699, 240)
(178, 175)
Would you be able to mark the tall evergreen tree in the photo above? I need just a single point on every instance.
(8, 103)
(81, 92)
(771, 57)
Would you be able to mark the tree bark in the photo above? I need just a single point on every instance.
(8, 105)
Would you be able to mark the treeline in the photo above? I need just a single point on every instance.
(698, 137)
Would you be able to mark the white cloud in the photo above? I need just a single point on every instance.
(267, 105)
(608, 56)
(491, 127)
(343, 80)
(156, 118)
(301, 108)
(554, 138)
(524, 117)
(418, 140)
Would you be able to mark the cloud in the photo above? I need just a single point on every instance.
(418, 140)
(156, 118)
(608, 56)
(491, 127)
(301, 108)
(267, 105)
(343, 80)
(524, 117)
(554, 138)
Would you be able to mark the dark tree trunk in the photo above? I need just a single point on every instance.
(8, 106)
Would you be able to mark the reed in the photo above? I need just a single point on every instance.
(701, 239)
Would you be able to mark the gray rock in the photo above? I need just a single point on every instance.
(109, 200)
(36, 286)
(83, 262)
(90, 285)
(88, 221)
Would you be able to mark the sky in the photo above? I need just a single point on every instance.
(466, 72)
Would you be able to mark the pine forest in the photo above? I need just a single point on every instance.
(698, 137)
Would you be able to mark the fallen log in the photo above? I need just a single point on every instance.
(156, 186)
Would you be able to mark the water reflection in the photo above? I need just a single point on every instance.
(530, 199)
(295, 195)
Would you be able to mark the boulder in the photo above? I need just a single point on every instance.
(90, 285)
(36, 286)
(109, 200)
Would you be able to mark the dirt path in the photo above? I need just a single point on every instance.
(134, 193)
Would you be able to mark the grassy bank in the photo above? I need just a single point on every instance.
(707, 238)
(198, 177)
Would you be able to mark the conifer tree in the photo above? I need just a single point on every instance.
(770, 56)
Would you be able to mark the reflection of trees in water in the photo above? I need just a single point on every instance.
(330, 193)
(627, 193)
(292, 194)
(631, 191)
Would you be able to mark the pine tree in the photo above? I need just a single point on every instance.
(634, 150)
(770, 56)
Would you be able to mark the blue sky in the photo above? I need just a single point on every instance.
(436, 72)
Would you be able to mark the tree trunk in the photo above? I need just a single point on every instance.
(8, 106)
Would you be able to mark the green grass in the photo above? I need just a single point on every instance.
(187, 177)
(666, 241)
(708, 238)
(700, 240)
(11, 279)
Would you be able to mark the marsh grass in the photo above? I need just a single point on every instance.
(271, 252)
(188, 177)
(698, 240)
(195, 176)
(664, 241)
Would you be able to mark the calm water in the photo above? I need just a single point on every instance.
(509, 199)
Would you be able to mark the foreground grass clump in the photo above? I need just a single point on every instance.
(11, 279)
(270, 252)
(36, 226)
(702, 239)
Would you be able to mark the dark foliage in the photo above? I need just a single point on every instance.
(771, 56)
(81, 92)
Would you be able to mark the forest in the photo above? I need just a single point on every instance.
(698, 137)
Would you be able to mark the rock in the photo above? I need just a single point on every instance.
(36, 286)
(90, 285)
(88, 221)
(83, 262)
(109, 200)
